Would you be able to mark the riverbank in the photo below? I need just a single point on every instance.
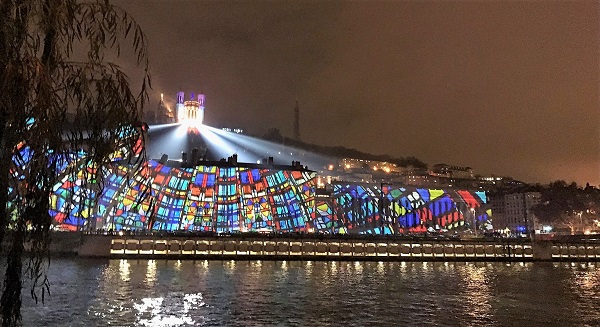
(320, 247)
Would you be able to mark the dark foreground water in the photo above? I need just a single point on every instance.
(266, 293)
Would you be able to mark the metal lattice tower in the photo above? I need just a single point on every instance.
(297, 122)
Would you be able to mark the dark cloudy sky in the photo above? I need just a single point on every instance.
(506, 87)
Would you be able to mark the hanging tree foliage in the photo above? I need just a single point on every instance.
(59, 94)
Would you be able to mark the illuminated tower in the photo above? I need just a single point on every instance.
(297, 122)
(201, 107)
(191, 111)
(165, 114)
(179, 107)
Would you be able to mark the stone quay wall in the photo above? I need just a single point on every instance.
(374, 249)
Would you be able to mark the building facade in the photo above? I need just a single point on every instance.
(513, 211)
(190, 111)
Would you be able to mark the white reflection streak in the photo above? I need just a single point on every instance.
(191, 300)
(201, 268)
(333, 268)
(403, 267)
(124, 270)
(151, 273)
(150, 303)
(231, 265)
(168, 311)
(477, 291)
(358, 267)
(586, 282)
(308, 268)
(380, 268)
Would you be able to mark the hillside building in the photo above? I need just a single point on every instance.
(513, 211)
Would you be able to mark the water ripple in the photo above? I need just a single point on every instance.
(292, 293)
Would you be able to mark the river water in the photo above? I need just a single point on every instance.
(89, 292)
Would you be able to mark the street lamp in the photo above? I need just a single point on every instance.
(383, 207)
(474, 221)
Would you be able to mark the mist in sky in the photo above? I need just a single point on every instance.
(506, 87)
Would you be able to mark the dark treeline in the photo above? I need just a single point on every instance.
(562, 202)
(274, 135)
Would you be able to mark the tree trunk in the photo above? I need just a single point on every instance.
(10, 303)
(5, 160)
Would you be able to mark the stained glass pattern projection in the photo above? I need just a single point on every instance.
(239, 198)
(203, 198)
(387, 209)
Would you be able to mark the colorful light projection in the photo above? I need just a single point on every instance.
(385, 209)
(203, 198)
(226, 199)
(72, 204)
(73, 171)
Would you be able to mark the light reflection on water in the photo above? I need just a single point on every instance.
(477, 293)
(151, 273)
(316, 293)
(124, 270)
(171, 311)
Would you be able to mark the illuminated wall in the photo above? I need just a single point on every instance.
(384, 209)
(205, 198)
(222, 199)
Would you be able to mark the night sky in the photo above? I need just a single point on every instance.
(508, 88)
